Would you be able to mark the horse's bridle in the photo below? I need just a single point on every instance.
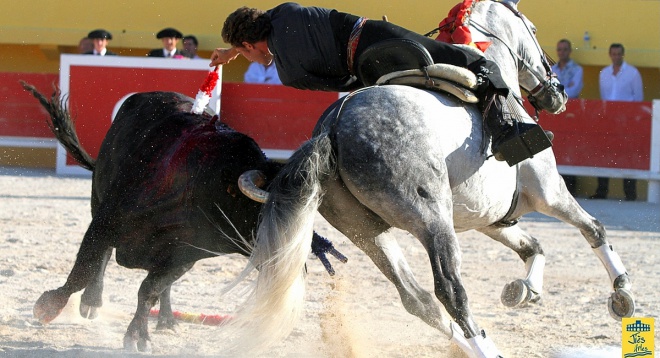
(546, 81)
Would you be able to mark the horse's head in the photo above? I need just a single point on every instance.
(516, 50)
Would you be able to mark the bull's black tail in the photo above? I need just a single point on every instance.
(62, 126)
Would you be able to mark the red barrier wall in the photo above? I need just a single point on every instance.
(589, 133)
(20, 114)
(602, 134)
(277, 117)
(94, 93)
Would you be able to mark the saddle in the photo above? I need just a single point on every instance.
(407, 62)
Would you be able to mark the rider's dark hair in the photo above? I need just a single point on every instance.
(246, 25)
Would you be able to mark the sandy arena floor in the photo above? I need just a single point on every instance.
(355, 314)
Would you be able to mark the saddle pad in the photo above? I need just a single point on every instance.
(459, 75)
(438, 84)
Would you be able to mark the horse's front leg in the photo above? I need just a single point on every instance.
(521, 291)
(621, 302)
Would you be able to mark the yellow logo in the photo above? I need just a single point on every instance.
(637, 337)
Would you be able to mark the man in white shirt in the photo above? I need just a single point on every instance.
(619, 81)
(570, 75)
(264, 74)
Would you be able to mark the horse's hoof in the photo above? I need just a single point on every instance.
(49, 306)
(515, 293)
(88, 312)
(621, 304)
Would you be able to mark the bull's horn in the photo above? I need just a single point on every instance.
(251, 182)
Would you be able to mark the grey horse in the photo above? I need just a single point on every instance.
(397, 156)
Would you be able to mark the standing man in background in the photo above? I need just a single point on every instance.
(619, 82)
(569, 74)
(169, 37)
(100, 39)
(85, 45)
(190, 44)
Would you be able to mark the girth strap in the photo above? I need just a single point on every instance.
(507, 221)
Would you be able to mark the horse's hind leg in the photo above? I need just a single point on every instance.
(368, 232)
(435, 230)
(92, 297)
(621, 302)
(529, 250)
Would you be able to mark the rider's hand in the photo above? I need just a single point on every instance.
(222, 56)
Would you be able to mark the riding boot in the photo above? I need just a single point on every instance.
(511, 141)
(501, 129)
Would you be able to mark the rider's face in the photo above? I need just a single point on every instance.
(256, 52)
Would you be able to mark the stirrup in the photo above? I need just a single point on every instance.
(524, 142)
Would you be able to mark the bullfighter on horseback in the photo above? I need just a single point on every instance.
(319, 49)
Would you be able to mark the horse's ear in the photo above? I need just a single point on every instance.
(513, 3)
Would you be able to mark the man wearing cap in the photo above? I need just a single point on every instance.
(100, 39)
(169, 36)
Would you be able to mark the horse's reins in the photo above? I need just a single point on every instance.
(543, 80)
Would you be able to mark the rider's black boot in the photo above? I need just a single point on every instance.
(501, 129)
(511, 141)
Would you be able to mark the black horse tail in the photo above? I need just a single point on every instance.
(283, 245)
(62, 125)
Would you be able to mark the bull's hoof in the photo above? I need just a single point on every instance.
(167, 323)
(88, 312)
(518, 293)
(49, 306)
(136, 345)
(621, 304)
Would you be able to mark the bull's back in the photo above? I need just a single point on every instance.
(165, 176)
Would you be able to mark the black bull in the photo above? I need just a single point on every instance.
(164, 195)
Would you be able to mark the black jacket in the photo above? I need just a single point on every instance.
(305, 50)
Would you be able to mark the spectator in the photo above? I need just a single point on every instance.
(619, 82)
(170, 37)
(258, 73)
(85, 45)
(569, 74)
(190, 44)
(100, 40)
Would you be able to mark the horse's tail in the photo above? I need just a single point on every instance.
(62, 125)
(283, 244)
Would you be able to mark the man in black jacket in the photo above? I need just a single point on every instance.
(170, 37)
(100, 40)
(318, 49)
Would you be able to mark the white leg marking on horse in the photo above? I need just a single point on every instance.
(611, 261)
(458, 338)
(483, 347)
(535, 266)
